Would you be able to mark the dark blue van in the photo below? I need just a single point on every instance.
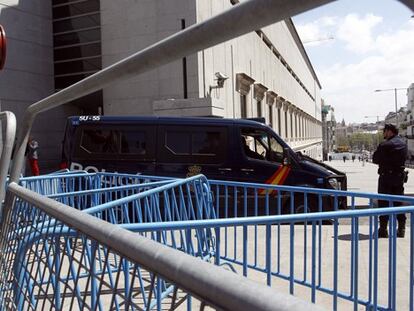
(225, 149)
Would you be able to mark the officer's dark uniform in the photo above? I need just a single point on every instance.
(390, 157)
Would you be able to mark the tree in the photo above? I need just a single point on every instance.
(364, 141)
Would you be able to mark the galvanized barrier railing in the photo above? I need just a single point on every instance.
(61, 258)
(8, 141)
(327, 268)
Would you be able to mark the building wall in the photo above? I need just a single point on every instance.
(284, 73)
(285, 80)
(131, 25)
(28, 73)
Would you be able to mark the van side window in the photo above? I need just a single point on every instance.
(178, 143)
(258, 144)
(276, 153)
(193, 144)
(100, 141)
(206, 143)
(198, 143)
(110, 142)
(133, 142)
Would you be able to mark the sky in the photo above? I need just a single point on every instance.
(372, 48)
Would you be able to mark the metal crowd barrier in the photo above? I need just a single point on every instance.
(52, 253)
(58, 257)
(241, 226)
(344, 267)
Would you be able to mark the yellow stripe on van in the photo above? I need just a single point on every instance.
(278, 178)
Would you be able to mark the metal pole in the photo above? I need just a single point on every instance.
(8, 142)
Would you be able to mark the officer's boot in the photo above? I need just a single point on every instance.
(382, 231)
(401, 229)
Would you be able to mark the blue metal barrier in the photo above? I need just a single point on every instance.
(239, 239)
(29, 258)
(213, 220)
(64, 259)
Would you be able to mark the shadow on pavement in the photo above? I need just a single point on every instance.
(348, 237)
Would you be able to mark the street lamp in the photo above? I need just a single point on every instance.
(395, 100)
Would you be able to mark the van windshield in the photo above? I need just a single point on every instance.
(258, 144)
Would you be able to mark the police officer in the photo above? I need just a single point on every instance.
(390, 157)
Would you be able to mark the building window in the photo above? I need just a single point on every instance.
(286, 124)
(279, 123)
(259, 108)
(77, 47)
(243, 106)
(243, 83)
(296, 125)
(271, 116)
(259, 91)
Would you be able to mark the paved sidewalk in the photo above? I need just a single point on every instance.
(361, 178)
(326, 271)
(364, 178)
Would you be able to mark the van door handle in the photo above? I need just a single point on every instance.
(225, 169)
(247, 170)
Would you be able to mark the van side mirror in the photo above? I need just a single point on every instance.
(286, 156)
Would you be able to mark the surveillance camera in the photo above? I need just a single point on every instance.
(221, 76)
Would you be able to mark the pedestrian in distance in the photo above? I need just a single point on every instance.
(33, 156)
(344, 158)
(353, 157)
(390, 157)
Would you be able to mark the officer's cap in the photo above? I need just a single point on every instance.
(391, 127)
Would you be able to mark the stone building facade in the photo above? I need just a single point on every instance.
(53, 44)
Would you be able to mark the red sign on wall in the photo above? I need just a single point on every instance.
(2, 47)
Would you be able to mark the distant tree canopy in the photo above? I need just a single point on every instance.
(360, 141)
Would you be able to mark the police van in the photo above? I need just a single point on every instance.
(224, 149)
